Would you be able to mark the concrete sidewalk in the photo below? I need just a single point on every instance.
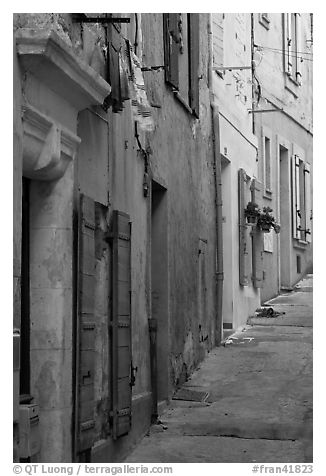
(259, 403)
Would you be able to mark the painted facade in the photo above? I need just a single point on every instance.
(239, 148)
(283, 53)
(265, 109)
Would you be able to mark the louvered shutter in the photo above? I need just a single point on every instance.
(295, 195)
(171, 48)
(218, 34)
(114, 46)
(243, 232)
(258, 238)
(121, 324)
(298, 48)
(288, 43)
(298, 200)
(86, 325)
(307, 177)
(193, 25)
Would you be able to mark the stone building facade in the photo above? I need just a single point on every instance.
(115, 238)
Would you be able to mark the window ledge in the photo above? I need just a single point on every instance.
(300, 244)
(268, 194)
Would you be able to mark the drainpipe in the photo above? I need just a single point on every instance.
(252, 70)
(218, 190)
(153, 356)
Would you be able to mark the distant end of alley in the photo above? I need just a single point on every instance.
(250, 400)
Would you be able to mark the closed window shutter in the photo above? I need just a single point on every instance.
(308, 214)
(243, 233)
(288, 43)
(258, 238)
(298, 198)
(114, 46)
(298, 48)
(295, 195)
(218, 50)
(171, 48)
(193, 25)
(121, 325)
(86, 325)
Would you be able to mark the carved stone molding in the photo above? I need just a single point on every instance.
(50, 59)
(48, 147)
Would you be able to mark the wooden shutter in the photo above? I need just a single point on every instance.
(257, 238)
(243, 232)
(86, 325)
(218, 34)
(193, 34)
(288, 43)
(298, 47)
(171, 48)
(121, 325)
(298, 198)
(308, 208)
(114, 46)
(295, 196)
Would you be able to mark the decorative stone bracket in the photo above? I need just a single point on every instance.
(48, 147)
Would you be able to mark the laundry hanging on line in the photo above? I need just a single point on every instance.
(141, 109)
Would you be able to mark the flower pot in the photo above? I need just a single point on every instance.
(251, 219)
(265, 228)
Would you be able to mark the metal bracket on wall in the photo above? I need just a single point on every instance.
(255, 111)
(82, 18)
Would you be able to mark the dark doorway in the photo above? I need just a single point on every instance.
(159, 286)
(25, 294)
(285, 218)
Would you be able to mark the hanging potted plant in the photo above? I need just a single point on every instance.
(252, 213)
(266, 221)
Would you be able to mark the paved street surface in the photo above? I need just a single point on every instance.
(259, 403)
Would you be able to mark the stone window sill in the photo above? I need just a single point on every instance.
(300, 244)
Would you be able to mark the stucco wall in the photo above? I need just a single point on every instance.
(182, 157)
(294, 126)
(239, 147)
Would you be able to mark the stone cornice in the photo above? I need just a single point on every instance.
(50, 59)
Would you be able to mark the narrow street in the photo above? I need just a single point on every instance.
(250, 400)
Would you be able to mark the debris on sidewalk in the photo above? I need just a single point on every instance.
(267, 312)
(157, 427)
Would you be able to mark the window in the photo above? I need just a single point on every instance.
(267, 167)
(181, 57)
(292, 47)
(301, 199)
(267, 164)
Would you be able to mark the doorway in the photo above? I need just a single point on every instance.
(227, 199)
(159, 287)
(285, 218)
(25, 295)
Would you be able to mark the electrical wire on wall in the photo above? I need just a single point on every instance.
(298, 54)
